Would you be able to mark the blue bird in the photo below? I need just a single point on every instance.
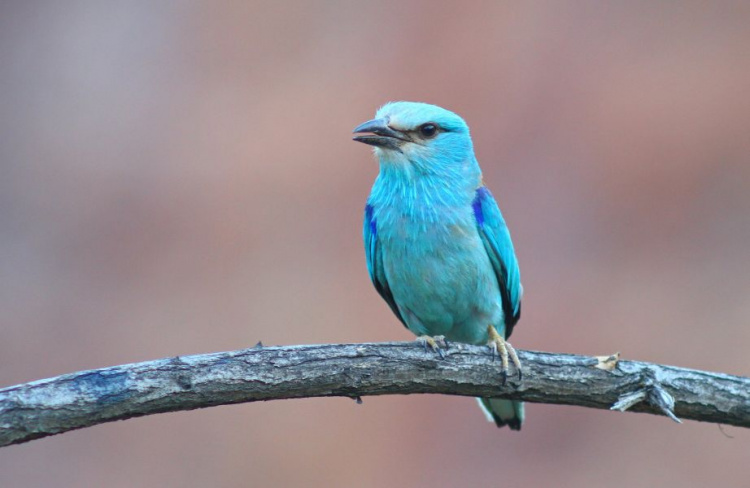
(438, 249)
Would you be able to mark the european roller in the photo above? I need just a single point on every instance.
(438, 249)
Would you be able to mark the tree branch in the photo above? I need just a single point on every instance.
(73, 401)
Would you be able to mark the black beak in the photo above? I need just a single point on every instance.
(384, 136)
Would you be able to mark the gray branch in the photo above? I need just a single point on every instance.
(73, 401)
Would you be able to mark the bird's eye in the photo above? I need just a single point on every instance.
(428, 130)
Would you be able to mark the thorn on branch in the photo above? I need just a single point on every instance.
(721, 429)
(653, 393)
(607, 363)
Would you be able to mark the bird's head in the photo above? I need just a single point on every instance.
(418, 137)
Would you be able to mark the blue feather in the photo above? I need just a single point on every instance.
(375, 261)
(496, 239)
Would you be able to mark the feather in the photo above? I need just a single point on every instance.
(496, 239)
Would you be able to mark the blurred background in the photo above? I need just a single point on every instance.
(179, 178)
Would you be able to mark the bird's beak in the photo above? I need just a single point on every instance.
(380, 134)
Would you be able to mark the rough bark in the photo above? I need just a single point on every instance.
(73, 401)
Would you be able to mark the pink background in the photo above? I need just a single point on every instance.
(178, 178)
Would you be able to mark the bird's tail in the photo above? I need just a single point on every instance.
(503, 412)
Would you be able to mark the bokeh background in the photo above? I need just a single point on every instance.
(178, 177)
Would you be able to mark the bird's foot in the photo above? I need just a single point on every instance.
(436, 343)
(500, 346)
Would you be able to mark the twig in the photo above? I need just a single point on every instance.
(73, 401)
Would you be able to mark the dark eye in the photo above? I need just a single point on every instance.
(428, 130)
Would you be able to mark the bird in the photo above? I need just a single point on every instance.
(437, 247)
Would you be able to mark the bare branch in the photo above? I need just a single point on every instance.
(73, 401)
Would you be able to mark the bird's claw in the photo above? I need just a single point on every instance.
(437, 343)
(499, 346)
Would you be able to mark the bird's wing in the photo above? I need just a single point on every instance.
(374, 255)
(496, 239)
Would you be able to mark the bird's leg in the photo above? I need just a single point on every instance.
(499, 345)
(436, 343)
